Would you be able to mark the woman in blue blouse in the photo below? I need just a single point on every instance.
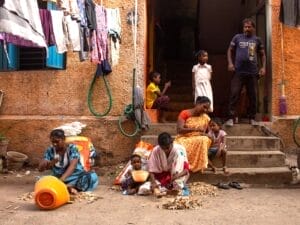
(64, 161)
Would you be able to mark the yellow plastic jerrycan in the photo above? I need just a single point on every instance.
(50, 193)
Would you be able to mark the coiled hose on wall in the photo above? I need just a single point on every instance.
(90, 97)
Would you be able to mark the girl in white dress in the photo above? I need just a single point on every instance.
(201, 76)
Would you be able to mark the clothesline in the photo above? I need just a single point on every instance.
(88, 28)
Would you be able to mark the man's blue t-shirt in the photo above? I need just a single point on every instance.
(246, 49)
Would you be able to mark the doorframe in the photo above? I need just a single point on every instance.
(269, 78)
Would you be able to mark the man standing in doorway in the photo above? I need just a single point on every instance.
(245, 48)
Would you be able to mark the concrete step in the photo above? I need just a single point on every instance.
(181, 97)
(172, 116)
(255, 159)
(180, 90)
(152, 139)
(178, 106)
(270, 176)
(241, 159)
(243, 130)
(157, 128)
(184, 80)
(252, 143)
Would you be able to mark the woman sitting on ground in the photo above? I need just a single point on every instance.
(192, 125)
(168, 166)
(64, 161)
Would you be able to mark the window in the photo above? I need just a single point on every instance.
(31, 58)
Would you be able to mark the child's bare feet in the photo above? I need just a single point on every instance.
(157, 193)
(225, 170)
(214, 169)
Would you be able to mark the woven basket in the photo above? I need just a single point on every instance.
(15, 160)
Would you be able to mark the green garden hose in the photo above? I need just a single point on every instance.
(296, 128)
(90, 96)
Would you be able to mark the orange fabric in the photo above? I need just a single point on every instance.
(153, 114)
(185, 114)
(196, 145)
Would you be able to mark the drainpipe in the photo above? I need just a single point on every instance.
(269, 52)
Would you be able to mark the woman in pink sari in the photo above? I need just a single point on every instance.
(168, 166)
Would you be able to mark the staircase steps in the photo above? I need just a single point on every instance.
(250, 143)
(255, 159)
(181, 97)
(251, 157)
(243, 130)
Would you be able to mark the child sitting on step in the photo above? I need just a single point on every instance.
(155, 99)
(217, 148)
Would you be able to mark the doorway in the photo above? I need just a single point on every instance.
(179, 28)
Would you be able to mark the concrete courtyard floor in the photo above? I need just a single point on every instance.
(252, 205)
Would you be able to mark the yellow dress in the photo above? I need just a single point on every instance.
(196, 145)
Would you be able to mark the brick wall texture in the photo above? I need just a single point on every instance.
(37, 101)
(291, 62)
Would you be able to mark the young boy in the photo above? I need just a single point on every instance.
(129, 186)
(155, 99)
(218, 148)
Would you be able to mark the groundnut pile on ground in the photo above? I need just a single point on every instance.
(203, 189)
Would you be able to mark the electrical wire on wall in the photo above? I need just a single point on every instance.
(129, 111)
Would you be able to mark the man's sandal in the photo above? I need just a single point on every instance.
(235, 185)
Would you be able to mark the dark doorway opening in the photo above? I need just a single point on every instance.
(178, 28)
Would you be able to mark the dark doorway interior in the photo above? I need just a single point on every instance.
(178, 28)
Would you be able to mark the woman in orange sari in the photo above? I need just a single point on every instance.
(192, 125)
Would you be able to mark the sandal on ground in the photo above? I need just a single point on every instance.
(235, 185)
(223, 186)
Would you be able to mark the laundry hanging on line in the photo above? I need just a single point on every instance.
(76, 25)
(290, 13)
(20, 23)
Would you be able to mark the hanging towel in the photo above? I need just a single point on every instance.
(100, 48)
(290, 12)
(22, 19)
(46, 20)
(74, 10)
(90, 14)
(82, 14)
(84, 48)
(16, 40)
(140, 114)
(73, 33)
(57, 20)
(114, 30)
